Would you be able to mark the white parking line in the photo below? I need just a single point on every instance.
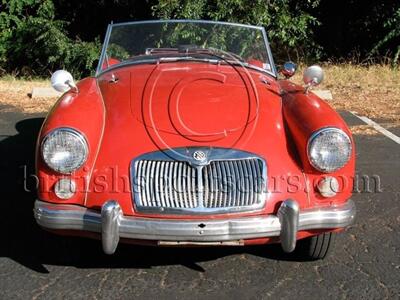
(378, 127)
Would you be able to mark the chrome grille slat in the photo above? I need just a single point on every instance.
(211, 190)
(174, 186)
(214, 186)
(187, 185)
(246, 181)
(225, 184)
(259, 174)
(164, 192)
(179, 185)
(140, 181)
(241, 183)
(254, 174)
(232, 191)
(218, 183)
(152, 198)
(147, 186)
(160, 184)
(249, 185)
(251, 182)
(157, 184)
(146, 190)
(194, 185)
(229, 189)
(170, 185)
(237, 184)
(206, 185)
(166, 184)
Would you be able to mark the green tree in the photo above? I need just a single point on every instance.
(393, 36)
(33, 42)
(288, 23)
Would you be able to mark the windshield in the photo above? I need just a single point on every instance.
(176, 40)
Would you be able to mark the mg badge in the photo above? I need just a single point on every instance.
(199, 155)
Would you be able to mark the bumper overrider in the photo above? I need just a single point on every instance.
(113, 225)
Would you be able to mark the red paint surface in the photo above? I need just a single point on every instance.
(154, 107)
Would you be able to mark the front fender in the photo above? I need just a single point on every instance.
(83, 111)
(304, 114)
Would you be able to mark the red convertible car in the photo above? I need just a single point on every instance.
(187, 135)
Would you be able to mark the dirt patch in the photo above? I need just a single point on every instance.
(363, 130)
(15, 93)
(372, 91)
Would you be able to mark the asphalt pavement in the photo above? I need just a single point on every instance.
(38, 265)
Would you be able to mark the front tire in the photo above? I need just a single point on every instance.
(315, 247)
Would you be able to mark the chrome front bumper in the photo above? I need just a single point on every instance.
(113, 225)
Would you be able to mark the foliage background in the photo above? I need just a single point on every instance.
(40, 36)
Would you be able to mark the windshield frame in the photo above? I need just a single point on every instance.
(100, 70)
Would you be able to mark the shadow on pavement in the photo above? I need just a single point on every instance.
(24, 242)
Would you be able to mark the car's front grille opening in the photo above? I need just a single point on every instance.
(219, 185)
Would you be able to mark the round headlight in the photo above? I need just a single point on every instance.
(64, 150)
(329, 149)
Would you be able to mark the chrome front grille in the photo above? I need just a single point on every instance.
(168, 184)
(233, 183)
(172, 182)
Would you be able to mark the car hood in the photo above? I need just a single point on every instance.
(162, 106)
(191, 104)
(202, 105)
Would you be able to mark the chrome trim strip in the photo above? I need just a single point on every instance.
(203, 244)
(73, 217)
(103, 50)
(185, 21)
(273, 71)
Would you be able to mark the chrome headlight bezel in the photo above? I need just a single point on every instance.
(313, 138)
(80, 138)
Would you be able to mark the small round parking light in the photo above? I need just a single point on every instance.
(328, 187)
(65, 188)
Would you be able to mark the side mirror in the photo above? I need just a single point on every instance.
(288, 69)
(313, 76)
(62, 81)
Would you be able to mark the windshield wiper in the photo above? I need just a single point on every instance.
(222, 54)
(217, 60)
(152, 51)
(193, 49)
